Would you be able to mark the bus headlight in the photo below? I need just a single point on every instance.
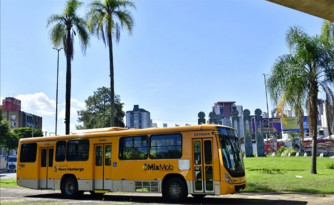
(228, 179)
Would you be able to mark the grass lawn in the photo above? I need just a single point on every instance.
(8, 183)
(265, 174)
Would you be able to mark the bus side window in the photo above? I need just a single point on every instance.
(60, 151)
(133, 147)
(28, 152)
(43, 158)
(77, 150)
(166, 146)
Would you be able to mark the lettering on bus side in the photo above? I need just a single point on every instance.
(158, 167)
(198, 134)
(63, 169)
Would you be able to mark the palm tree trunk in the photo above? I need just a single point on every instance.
(313, 98)
(112, 88)
(300, 117)
(68, 82)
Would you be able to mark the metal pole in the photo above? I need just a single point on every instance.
(265, 84)
(58, 49)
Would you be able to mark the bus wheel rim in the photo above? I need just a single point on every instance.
(175, 190)
(69, 188)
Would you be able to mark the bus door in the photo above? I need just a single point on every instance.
(45, 168)
(102, 172)
(203, 170)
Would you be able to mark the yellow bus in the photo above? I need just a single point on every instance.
(198, 160)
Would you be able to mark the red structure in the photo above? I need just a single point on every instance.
(11, 104)
(227, 107)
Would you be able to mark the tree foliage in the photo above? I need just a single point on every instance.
(298, 77)
(4, 131)
(25, 132)
(8, 139)
(97, 112)
(106, 19)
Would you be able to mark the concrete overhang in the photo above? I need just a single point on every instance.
(320, 8)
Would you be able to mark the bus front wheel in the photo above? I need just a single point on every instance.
(175, 190)
(69, 188)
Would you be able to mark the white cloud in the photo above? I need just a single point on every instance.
(41, 105)
(38, 104)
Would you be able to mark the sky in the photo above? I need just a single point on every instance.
(181, 58)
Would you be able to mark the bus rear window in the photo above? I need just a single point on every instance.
(28, 152)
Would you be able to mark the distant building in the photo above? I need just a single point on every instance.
(164, 125)
(11, 112)
(222, 112)
(154, 125)
(17, 118)
(241, 120)
(138, 118)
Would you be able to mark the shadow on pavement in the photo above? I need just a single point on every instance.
(159, 200)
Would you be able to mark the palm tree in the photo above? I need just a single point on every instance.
(287, 86)
(64, 27)
(106, 19)
(310, 66)
(327, 32)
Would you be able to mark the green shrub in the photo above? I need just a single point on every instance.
(286, 151)
(330, 165)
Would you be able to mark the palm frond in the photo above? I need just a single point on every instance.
(117, 32)
(294, 36)
(96, 18)
(81, 27)
(126, 3)
(71, 7)
(108, 17)
(55, 18)
(125, 20)
(57, 33)
(327, 32)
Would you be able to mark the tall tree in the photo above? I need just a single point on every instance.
(97, 112)
(287, 86)
(310, 66)
(64, 27)
(105, 19)
(327, 33)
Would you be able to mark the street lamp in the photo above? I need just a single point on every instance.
(58, 49)
(265, 84)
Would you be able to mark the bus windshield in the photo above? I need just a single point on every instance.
(231, 151)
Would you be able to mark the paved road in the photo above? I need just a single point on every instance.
(23, 196)
(6, 175)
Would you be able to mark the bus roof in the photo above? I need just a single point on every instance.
(119, 131)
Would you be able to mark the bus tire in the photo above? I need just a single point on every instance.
(69, 188)
(175, 190)
(198, 196)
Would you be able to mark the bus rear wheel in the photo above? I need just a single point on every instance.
(69, 188)
(175, 190)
